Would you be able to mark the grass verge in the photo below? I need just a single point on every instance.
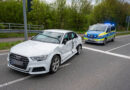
(8, 45)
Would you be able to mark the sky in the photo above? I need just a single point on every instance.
(69, 1)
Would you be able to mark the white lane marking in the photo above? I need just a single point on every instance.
(106, 52)
(65, 65)
(118, 47)
(24, 78)
(14, 81)
(3, 54)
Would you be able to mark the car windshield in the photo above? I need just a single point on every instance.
(97, 28)
(49, 37)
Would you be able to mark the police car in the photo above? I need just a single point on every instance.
(45, 52)
(100, 33)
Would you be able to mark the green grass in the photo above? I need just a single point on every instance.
(8, 45)
(14, 35)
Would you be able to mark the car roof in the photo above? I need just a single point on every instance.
(58, 30)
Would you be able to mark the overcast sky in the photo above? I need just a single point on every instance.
(69, 1)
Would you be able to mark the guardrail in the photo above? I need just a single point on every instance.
(15, 26)
(19, 31)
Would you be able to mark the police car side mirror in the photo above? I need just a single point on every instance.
(108, 30)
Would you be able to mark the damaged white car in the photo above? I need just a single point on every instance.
(45, 52)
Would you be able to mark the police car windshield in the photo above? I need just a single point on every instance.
(49, 37)
(97, 28)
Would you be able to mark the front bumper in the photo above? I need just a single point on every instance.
(99, 41)
(33, 67)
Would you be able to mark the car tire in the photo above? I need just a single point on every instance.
(113, 39)
(55, 63)
(85, 42)
(79, 49)
(105, 41)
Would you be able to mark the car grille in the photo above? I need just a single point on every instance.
(92, 36)
(13, 58)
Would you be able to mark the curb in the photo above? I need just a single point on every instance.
(2, 51)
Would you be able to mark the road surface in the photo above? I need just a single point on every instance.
(98, 67)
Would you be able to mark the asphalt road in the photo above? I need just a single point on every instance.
(98, 67)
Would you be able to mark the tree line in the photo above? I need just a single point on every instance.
(77, 15)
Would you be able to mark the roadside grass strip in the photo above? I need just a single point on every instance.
(8, 45)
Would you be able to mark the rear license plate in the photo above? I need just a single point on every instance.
(16, 62)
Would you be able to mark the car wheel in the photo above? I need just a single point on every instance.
(55, 64)
(79, 49)
(85, 42)
(113, 39)
(105, 41)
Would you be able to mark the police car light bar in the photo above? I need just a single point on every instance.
(110, 24)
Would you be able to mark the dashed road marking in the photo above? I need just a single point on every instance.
(106, 52)
(25, 78)
(118, 47)
(65, 65)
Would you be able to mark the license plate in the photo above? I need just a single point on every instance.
(16, 62)
(90, 39)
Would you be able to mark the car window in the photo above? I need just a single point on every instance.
(66, 36)
(70, 35)
(97, 27)
(108, 29)
(112, 28)
(48, 36)
(73, 35)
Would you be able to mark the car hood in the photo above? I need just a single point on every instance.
(94, 32)
(33, 48)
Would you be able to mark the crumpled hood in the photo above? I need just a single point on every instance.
(33, 48)
(94, 32)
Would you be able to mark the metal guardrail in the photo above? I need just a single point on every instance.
(19, 31)
(15, 26)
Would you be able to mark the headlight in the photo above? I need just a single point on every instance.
(39, 58)
(85, 34)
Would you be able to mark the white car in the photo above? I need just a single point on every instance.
(45, 52)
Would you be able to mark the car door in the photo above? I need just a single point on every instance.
(66, 48)
(75, 41)
(108, 33)
(113, 32)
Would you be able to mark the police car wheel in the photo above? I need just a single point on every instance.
(79, 49)
(113, 39)
(105, 41)
(85, 42)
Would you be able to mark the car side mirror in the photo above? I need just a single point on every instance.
(65, 41)
(32, 37)
(108, 31)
